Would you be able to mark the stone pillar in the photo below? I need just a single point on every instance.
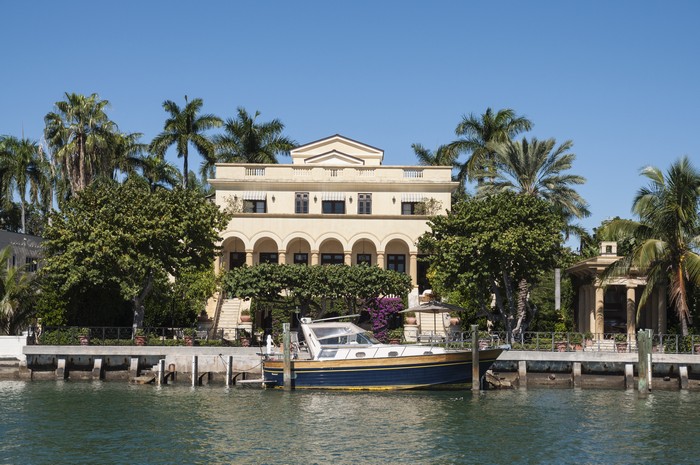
(661, 305)
(631, 312)
(249, 257)
(590, 303)
(599, 310)
(413, 268)
(348, 258)
(281, 257)
(314, 258)
(380, 260)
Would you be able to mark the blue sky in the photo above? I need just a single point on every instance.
(618, 78)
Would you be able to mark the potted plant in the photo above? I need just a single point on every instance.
(410, 318)
(621, 342)
(84, 336)
(188, 334)
(140, 337)
(395, 336)
(245, 338)
(245, 316)
(454, 318)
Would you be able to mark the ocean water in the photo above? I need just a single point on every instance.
(116, 423)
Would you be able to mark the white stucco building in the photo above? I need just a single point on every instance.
(334, 204)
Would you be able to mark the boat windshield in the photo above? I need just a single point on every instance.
(341, 336)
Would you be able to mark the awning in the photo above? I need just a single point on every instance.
(337, 196)
(413, 197)
(255, 195)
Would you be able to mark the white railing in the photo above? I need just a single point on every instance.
(255, 171)
(412, 173)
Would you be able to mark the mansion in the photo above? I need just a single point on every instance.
(336, 203)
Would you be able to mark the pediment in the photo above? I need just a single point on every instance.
(333, 158)
(337, 149)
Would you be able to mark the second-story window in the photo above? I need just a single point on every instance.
(333, 206)
(411, 208)
(254, 206)
(301, 202)
(364, 204)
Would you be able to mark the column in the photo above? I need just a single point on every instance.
(599, 310)
(581, 321)
(380, 260)
(590, 304)
(661, 305)
(413, 268)
(631, 312)
(281, 257)
(348, 258)
(249, 257)
(314, 257)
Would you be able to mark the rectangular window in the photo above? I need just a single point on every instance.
(269, 257)
(236, 259)
(412, 208)
(364, 204)
(396, 263)
(254, 206)
(364, 258)
(30, 263)
(334, 207)
(301, 202)
(301, 259)
(332, 259)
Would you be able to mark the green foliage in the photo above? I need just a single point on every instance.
(17, 296)
(485, 247)
(110, 245)
(347, 283)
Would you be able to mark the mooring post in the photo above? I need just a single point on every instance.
(61, 369)
(195, 371)
(476, 380)
(161, 371)
(644, 363)
(287, 374)
(576, 374)
(229, 370)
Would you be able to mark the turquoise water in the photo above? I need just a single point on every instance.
(113, 422)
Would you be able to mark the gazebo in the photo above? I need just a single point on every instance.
(610, 305)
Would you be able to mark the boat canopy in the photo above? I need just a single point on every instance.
(341, 333)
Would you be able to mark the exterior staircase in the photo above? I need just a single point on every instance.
(229, 317)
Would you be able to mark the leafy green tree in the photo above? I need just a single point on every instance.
(478, 132)
(79, 134)
(483, 248)
(184, 127)
(116, 241)
(247, 141)
(17, 296)
(665, 240)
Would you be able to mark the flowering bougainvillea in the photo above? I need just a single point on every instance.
(380, 310)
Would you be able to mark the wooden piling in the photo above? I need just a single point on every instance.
(161, 372)
(287, 374)
(644, 364)
(476, 381)
(229, 370)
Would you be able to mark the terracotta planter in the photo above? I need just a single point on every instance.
(394, 341)
(454, 321)
(246, 318)
(245, 342)
(411, 320)
(84, 340)
(140, 340)
(189, 341)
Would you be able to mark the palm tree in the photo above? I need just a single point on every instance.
(125, 153)
(246, 141)
(79, 133)
(159, 173)
(185, 126)
(445, 155)
(16, 296)
(536, 168)
(666, 237)
(478, 131)
(26, 168)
